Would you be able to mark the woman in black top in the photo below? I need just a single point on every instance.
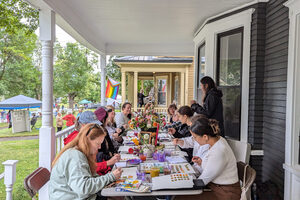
(184, 114)
(212, 102)
(141, 97)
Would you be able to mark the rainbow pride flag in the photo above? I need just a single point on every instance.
(112, 88)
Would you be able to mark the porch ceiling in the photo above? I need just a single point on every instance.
(136, 27)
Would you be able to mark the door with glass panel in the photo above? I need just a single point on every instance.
(229, 79)
(162, 90)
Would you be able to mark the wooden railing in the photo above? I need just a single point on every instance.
(61, 135)
(9, 176)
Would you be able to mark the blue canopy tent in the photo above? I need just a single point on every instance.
(84, 101)
(20, 102)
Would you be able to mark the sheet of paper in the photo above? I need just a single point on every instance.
(124, 148)
(121, 164)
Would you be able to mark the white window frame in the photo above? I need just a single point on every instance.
(208, 34)
(291, 165)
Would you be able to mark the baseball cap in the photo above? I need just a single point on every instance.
(88, 117)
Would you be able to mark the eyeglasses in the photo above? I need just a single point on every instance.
(92, 127)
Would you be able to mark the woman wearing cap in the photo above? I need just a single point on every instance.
(73, 174)
(103, 166)
(110, 126)
(122, 118)
(107, 148)
(219, 167)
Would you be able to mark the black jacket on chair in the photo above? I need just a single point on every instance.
(212, 107)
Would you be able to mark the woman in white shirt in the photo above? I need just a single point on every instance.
(122, 118)
(219, 167)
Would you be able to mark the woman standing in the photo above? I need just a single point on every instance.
(59, 122)
(212, 102)
(70, 119)
(219, 166)
(74, 169)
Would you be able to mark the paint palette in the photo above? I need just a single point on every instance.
(147, 166)
(182, 168)
(179, 177)
(126, 157)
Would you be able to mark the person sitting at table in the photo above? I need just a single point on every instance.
(184, 115)
(199, 151)
(110, 126)
(73, 175)
(122, 118)
(85, 118)
(171, 111)
(176, 123)
(107, 148)
(219, 167)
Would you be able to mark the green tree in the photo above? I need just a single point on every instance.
(72, 71)
(18, 74)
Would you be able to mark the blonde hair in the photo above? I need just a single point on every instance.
(110, 123)
(82, 144)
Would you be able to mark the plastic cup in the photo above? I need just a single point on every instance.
(143, 157)
(161, 157)
(154, 172)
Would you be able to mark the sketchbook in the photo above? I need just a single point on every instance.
(172, 181)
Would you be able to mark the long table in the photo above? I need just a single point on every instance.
(112, 192)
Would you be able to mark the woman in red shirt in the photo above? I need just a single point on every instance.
(70, 119)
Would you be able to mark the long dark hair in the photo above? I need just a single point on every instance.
(204, 126)
(209, 81)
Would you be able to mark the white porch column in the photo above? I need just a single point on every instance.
(123, 87)
(47, 132)
(103, 78)
(135, 92)
(182, 93)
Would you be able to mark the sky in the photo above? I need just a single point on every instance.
(64, 38)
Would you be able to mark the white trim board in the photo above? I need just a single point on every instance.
(229, 11)
(291, 165)
(209, 34)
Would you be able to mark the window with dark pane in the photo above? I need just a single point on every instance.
(229, 79)
(201, 68)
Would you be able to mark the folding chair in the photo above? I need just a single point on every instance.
(36, 180)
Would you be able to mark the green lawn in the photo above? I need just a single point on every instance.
(27, 152)
(3, 124)
(7, 132)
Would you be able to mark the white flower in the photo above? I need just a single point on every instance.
(146, 136)
(149, 126)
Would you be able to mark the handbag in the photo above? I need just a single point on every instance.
(244, 189)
